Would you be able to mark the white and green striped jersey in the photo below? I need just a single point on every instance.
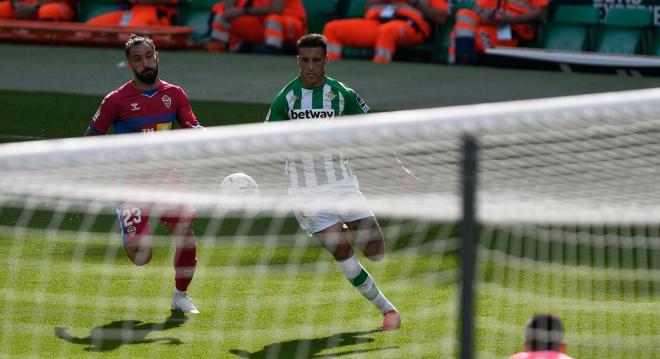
(331, 99)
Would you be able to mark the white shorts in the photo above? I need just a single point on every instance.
(350, 206)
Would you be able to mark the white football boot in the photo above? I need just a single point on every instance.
(183, 303)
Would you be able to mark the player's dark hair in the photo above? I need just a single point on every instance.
(544, 332)
(135, 40)
(313, 40)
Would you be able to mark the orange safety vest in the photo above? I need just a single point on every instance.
(516, 7)
(293, 8)
(403, 10)
(512, 6)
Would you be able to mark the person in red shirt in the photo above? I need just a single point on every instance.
(544, 339)
(387, 24)
(139, 13)
(273, 23)
(147, 104)
(46, 10)
(493, 23)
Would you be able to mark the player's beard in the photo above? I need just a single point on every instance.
(148, 76)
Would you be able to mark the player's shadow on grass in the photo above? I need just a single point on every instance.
(113, 335)
(312, 348)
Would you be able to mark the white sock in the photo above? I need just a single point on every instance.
(364, 283)
(382, 303)
(351, 267)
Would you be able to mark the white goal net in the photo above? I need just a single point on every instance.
(568, 195)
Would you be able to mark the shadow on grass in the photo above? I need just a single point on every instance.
(121, 332)
(312, 348)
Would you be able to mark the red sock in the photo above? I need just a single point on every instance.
(185, 261)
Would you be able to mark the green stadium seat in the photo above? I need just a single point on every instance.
(461, 4)
(625, 31)
(619, 41)
(655, 48)
(571, 28)
(576, 14)
(88, 9)
(356, 8)
(441, 41)
(318, 13)
(196, 13)
(566, 37)
(629, 17)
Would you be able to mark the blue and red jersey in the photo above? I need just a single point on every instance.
(128, 109)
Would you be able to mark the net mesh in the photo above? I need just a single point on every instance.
(567, 206)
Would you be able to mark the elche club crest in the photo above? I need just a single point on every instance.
(167, 101)
(131, 230)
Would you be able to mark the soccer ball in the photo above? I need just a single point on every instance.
(239, 184)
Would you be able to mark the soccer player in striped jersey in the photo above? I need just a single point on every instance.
(147, 104)
(313, 96)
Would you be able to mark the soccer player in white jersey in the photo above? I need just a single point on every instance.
(314, 96)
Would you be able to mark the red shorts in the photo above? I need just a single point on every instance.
(134, 217)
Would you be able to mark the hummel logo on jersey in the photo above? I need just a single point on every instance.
(310, 114)
(135, 106)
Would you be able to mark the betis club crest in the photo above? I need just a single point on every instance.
(167, 101)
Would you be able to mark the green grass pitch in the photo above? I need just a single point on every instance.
(73, 295)
(69, 296)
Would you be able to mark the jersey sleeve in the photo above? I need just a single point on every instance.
(184, 112)
(278, 109)
(104, 117)
(355, 105)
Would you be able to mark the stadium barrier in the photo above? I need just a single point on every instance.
(570, 61)
(74, 33)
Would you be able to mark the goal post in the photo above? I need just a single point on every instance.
(566, 221)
